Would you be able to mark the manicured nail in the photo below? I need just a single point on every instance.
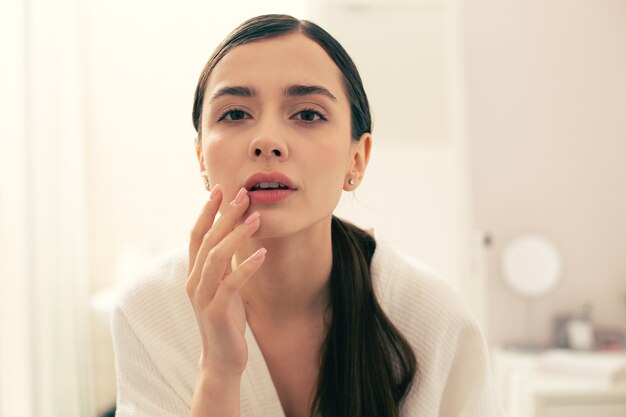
(214, 192)
(240, 196)
(251, 218)
(258, 254)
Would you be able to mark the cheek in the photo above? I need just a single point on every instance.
(332, 163)
(220, 165)
(213, 155)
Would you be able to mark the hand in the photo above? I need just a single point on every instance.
(213, 287)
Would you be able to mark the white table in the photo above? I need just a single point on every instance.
(526, 390)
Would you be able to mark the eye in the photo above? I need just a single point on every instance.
(309, 116)
(234, 115)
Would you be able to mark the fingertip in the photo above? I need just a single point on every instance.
(240, 197)
(258, 255)
(215, 192)
(252, 218)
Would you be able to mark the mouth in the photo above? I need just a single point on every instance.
(269, 181)
(269, 187)
(266, 186)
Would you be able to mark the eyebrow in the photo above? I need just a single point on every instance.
(291, 91)
(233, 91)
(305, 90)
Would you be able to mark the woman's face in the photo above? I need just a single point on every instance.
(288, 114)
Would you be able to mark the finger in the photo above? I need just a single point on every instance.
(218, 260)
(231, 215)
(203, 224)
(234, 282)
(229, 268)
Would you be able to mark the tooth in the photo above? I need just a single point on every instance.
(270, 185)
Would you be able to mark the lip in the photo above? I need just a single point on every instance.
(269, 196)
(269, 177)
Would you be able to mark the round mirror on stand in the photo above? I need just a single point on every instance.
(531, 266)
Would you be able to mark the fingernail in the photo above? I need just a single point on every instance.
(240, 195)
(258, 254)
(251, 218)
(214, 192)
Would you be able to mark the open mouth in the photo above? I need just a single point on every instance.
(268, 186)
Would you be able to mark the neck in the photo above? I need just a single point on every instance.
(291, 284)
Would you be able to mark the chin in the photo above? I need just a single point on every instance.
(272, 228)
(278, 225)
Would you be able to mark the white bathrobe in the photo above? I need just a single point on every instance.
(157, 344)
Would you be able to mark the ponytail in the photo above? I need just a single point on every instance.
(367, 367)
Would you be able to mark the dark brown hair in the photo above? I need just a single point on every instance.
(367, 367)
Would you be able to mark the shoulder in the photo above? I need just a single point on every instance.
(155, 305)
(424, 307)
(449, 346)
(158, 282)
(156, 340)
(411, 284)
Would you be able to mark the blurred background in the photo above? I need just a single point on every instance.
(499, 160)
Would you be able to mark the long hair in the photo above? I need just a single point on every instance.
(366, 366)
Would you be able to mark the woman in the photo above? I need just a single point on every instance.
(279, 308)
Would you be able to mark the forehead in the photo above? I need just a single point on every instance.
(276, 62)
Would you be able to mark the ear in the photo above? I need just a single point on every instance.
(360, 156)
(201, 162)
(200, 156)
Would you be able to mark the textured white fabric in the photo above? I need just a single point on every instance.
(157, 344)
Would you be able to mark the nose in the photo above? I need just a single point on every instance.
(269, 145)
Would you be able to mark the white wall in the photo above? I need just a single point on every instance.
(15, 338)
(547, 105)
(43, 278)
